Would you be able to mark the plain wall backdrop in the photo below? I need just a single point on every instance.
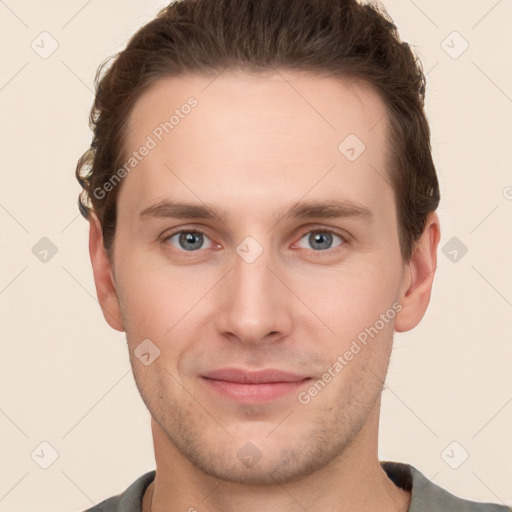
(66, 378)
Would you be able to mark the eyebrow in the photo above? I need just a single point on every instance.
(325, 209)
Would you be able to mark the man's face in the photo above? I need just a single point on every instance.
(259, 289)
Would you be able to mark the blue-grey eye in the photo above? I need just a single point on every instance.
(320, 239)
(188, 240)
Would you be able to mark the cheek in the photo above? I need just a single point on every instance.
(348, 301)
(160, 302)
(145, 298)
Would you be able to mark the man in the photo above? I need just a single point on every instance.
(261, 197)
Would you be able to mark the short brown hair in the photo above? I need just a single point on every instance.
(343, 38)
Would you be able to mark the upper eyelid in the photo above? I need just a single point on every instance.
(320, 229)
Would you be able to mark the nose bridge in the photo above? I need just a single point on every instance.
(253, 304)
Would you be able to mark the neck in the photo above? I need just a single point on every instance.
(353, 481)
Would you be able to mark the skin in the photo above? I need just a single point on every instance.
(254, 146)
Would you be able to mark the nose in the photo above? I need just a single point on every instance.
(254, 303)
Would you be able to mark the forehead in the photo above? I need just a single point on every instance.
(286, 133)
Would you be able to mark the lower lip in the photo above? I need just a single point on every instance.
(254, 393)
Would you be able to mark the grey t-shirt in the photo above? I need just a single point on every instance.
(425, 495)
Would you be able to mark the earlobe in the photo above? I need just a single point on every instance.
(422, 266)
(103, 278)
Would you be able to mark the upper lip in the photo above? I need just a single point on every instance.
(256, 377)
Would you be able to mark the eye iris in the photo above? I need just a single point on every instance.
(188, 237)
(320, 237)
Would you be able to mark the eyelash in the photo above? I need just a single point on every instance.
(330, 251)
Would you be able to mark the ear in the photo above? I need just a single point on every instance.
(418, 278)
(103, 276)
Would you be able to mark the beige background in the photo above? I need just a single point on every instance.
(65, 375)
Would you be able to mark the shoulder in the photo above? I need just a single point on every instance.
(426, 496)
(128, 501)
